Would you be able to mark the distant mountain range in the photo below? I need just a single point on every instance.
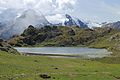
(73, 21)
(13, 22)
(115, 25)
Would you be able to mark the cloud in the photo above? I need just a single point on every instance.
(57, 18)
(96, 10)
(11, 4)
(45, 6)
(65, 4)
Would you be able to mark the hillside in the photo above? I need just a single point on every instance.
(48, 36)
(57, 36)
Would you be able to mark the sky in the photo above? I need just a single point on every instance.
(91, 10)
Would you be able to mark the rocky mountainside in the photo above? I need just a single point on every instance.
(58, 36)
(74, 22)
(4, 46)
(100, 37)
(14, 22)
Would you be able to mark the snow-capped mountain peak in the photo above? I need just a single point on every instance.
(72, 21)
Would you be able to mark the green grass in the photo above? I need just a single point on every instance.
(17, 67)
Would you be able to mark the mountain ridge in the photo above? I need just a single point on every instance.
(74, 22)
(14, 22)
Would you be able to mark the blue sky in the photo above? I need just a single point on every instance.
(98, 10)
(93, 10)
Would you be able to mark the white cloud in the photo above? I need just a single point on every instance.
(45, 6)
(57, 18)
(65, 4)
(52, 9)
(95, 10)
(2, 2)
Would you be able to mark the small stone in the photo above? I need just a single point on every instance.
(53, 77)
(55, 68)
(45, 76)
(35, 60)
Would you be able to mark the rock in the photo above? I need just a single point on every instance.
(35, 60)
(4, 46)
(45, 76)
(53, 77)
(117, 77)
(55, 68)
(115, 37)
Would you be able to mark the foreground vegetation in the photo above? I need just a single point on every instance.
(17, 67)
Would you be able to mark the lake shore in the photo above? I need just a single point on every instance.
(41, 54)
(62, 56)
(76, 52)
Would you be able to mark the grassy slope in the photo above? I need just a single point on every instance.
(103, 42)
(16, 67)
(108, 43)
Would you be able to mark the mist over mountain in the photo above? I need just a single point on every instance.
(13, 22)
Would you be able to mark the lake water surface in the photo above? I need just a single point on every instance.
(75, 51)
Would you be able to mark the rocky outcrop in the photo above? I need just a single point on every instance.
(4, 46)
